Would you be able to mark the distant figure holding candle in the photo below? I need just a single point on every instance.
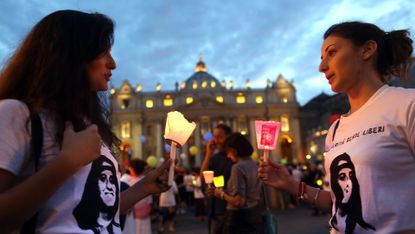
(242, 194)
(216, 160)
(370, 159)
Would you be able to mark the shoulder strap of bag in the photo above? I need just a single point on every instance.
(335, 129)
(36, 144)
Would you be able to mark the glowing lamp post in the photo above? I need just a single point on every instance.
(208, 176)
(177, 131)
(266, 135)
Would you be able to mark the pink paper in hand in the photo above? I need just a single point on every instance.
(266, 134)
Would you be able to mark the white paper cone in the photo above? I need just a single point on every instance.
(178, 129)
(208, 176)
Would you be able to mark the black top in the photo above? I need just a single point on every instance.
(221, 165)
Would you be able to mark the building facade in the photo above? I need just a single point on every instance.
(138, 118)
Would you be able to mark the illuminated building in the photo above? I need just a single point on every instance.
(138, 117)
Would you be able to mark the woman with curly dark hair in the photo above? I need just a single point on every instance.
(56, 74)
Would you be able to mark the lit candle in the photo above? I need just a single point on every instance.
(266, 135)
(177, 131)
(208, 176)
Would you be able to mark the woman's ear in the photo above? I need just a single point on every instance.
(234, 152)
(369, 48)
(231, 152)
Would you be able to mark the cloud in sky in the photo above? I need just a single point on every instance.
(160, 41)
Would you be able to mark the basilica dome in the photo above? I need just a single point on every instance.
(201, 79)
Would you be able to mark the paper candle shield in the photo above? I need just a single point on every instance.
(178, 129)
(208, 176)
(266, 134)
(219, 181)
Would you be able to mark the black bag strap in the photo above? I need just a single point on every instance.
(335, 129)
(265, 197)
(36, 143)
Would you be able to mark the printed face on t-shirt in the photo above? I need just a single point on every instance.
(98, 207)
(345, 187)
(345, 182)
(107, 189)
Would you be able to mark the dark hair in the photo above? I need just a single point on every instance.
(138, 165)
(87, 211)
(225, 128)
(353, 208)
(49, 70)
(238, 142)
(394, 47)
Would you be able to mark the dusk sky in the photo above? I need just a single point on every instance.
(161, 40)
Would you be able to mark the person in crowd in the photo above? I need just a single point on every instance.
(56, 74)
(138, 220)
(187, 180)
(370, 159)
(181, 203)
(167, 207)
(217, 161)
(243, 191)
(199, 197)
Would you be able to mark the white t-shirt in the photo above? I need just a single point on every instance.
(187, 180)
(371, 165)
(131, 180)
(167, 199)
(133, 223)
(75, 207)
(197, 192)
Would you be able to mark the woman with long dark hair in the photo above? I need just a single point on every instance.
(56, 73)
(370, 151)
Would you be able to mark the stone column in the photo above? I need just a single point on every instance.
(185, 161)
(158, 140)
(198, 143)
(136, 136)
(252, 134)
(297, 147)
(277, 151)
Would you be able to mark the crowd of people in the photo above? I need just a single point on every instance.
(58, 167)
